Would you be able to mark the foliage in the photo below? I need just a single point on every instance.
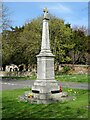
(66, 69)
(80, 50)
(10, 41)
(20, 45)
(60, 40)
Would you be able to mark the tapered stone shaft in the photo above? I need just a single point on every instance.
(45, 45)
(45, 36)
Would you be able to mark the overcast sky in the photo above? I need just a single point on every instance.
(75, 13)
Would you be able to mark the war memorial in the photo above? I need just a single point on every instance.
(45, 89)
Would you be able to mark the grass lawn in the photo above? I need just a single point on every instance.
(65, 78)
(13, 108)
(20, 78)
(73, 78)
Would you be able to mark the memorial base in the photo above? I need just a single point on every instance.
(45, 98)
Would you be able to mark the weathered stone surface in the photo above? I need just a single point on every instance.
(45, 85)
(45, 98)
(59, 96)
(45, 68)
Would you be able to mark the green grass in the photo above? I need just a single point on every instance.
(13, 108)
(64, 78)
(73, 78)
(20, 78)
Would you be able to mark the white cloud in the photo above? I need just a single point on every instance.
(57, 8)
(60, 8)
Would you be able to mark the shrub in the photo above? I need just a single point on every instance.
(66, 69)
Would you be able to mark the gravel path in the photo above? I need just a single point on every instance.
(16, 84)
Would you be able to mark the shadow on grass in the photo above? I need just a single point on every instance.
(13, 108)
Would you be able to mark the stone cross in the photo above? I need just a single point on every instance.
(45, 10)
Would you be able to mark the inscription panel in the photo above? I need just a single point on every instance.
(45, 68)
(50, 68)
(40, 68)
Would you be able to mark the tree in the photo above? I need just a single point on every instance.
(22, 44)
(30, 40)
(60, 36)
(10, 40)
(5, 17)
(80, 49)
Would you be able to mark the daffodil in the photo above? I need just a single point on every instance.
(75, 92)
(30, 95)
